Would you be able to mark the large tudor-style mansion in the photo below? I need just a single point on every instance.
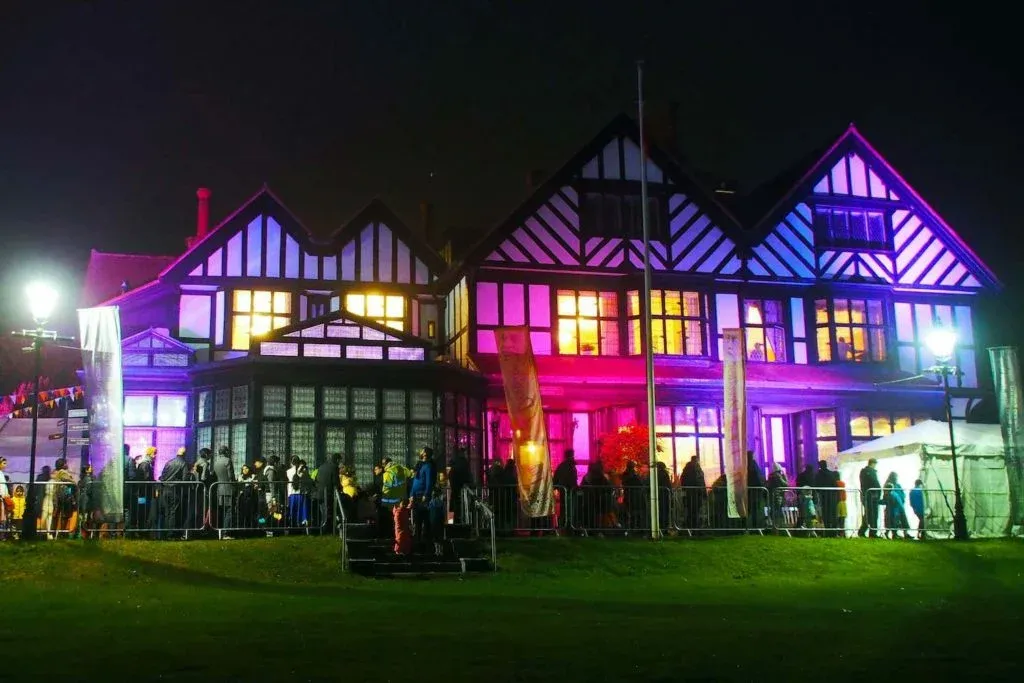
(268, 340)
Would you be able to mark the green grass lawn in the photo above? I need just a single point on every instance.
(559, 610)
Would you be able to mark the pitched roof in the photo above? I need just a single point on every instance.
(106, 271)
(768, 204)
(621, 125)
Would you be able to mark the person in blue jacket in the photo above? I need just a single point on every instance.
(917, 505)
(420, 492)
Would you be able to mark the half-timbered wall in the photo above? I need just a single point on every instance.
(554, 238)
(263, 277)
(888, 240)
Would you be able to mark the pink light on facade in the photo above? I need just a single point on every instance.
(202, 212)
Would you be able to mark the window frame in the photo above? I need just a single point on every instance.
(885, 326)
(624, 191)
(634, 322)
(286, 319)
(786, 324)
(823, 230)
(558, 317)
(385, 319)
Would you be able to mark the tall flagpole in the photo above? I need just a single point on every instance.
(652, 443)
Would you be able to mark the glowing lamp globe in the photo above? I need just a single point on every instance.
(42, 299)
(941, 341)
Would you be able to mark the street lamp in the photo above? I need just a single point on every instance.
(942, 342)
(42, 299)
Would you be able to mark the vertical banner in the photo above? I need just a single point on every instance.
(1006, 381)
(734, 383)
(529, 433)
(104, 396)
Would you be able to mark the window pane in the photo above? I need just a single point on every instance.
(588, 336)
(880, 424)
(303, 402)
(673, 304)
(303, 442)
(587, 304)
(566, 303)
(634, 337)
(243, 301)
(609, 337)
(633, 303)
(394, 404)
(274, 441)
(239, 403)
(261, 302)
(684, 420)
(707, 420)
(364, 404)
(274, 401)
(656, 303)
(138, 411)
(395, 307)
(673, 336)
(205, 406)
(171, 411)
(222, 407)
(692, 305)
(422, 405)
(374, 305)
(567, 336)
(356, 303)
(842, 311)
(860, 425)
(609, 303)
(821, 311)
(240, 325)
(335, 403)
(282, 302)
(824, 423)
(824, 345)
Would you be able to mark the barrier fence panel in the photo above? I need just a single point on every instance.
(503, 503)
(248, 508)
(56, 509)
(697, 509)
(156, 509)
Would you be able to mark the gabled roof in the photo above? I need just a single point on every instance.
(342, 316)
(377, 210)
(151, 340)
(106, 271)
(802, 184)
(621, 126)
(265, 202)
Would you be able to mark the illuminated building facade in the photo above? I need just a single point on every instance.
(370, 343)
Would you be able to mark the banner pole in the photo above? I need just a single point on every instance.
(652, 443)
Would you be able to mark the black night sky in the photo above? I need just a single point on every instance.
(112, 113)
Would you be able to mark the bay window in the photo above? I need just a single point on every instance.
(384, 309)
(588, 323)
(765, 330)
(850, 330)
(679, 323)
(257, 312)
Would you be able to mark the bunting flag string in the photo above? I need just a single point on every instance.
(15, 405)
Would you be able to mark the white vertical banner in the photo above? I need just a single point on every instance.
(104, 396)
(734, 410)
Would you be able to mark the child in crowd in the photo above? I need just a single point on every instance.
(403, 527)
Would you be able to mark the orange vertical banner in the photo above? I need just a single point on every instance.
(529, 433)
(734, 383)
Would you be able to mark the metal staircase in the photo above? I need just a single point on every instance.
(464, 548)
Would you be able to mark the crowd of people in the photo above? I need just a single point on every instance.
(815, 504)
(411, 504)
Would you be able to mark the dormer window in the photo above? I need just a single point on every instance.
(849, 227)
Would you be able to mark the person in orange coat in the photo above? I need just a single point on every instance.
(403, 528)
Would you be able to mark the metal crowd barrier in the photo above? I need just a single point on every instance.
(56, 509)
(247, 507)
(157, 509)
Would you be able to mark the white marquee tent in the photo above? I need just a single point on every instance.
(923, 452)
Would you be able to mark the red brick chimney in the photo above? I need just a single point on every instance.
(203, 215)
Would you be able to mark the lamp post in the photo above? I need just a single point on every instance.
(41, 301)
(942, 342)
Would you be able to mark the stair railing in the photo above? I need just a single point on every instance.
(471, 501)
(341, 528)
